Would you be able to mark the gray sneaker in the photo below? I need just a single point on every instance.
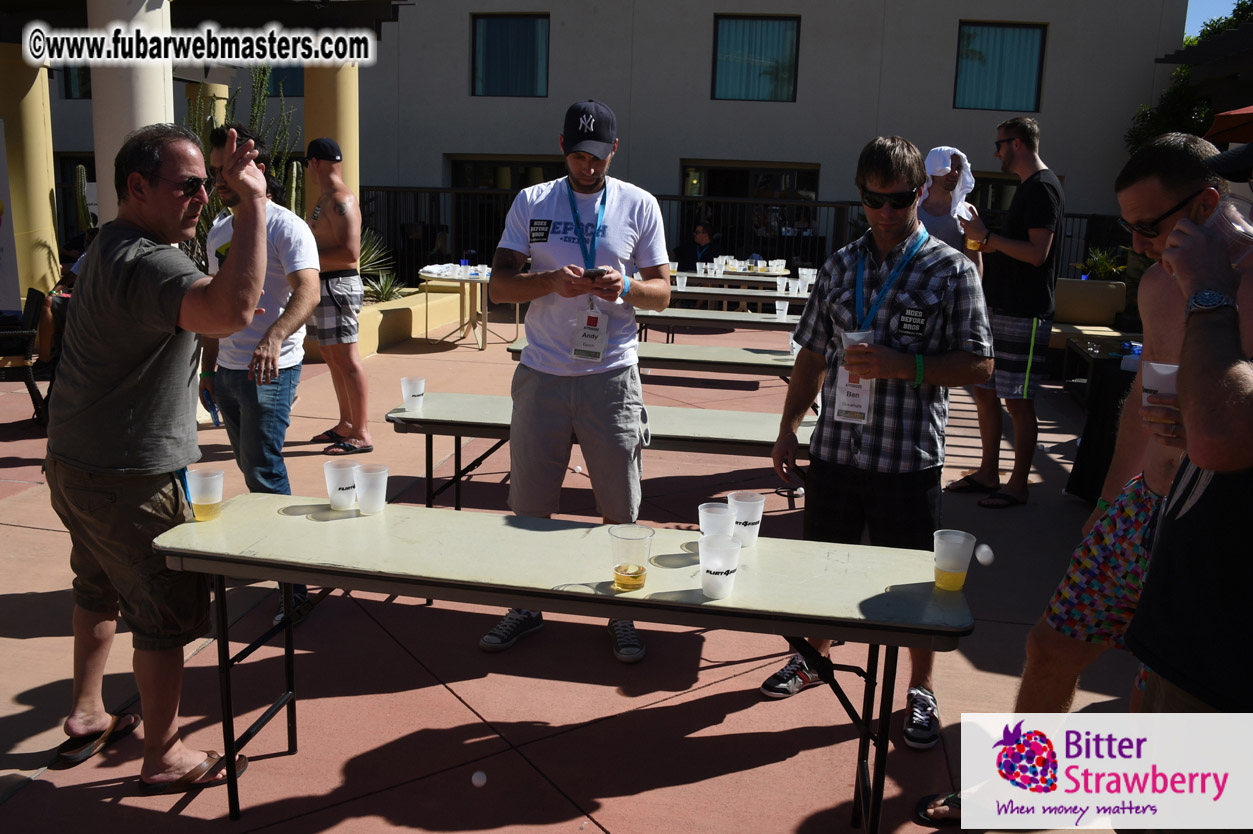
(513, 626)
(922, 718)
(792, 678)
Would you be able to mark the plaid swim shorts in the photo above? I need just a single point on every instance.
(1019, 345)
(335, 317)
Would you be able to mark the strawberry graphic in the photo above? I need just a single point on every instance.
(1027, 760)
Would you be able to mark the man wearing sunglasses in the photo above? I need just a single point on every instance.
(1018, 269)
(122, 431)
(922, 301)
(1166, 181)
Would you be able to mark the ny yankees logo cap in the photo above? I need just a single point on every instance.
(591, 128)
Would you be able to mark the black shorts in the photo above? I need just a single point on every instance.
(899, 509)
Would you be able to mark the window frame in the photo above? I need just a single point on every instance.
(475, 17)
(1042, 28)
(796, 56)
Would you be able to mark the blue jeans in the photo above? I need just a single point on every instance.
(256, 419)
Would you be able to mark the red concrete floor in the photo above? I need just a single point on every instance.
(399, 709)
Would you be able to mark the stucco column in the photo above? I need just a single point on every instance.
(27, 117)
(331, 110)
(210, 99)
(124, 98)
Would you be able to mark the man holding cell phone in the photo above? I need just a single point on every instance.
(598, 250)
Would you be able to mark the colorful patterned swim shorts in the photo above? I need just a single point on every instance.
(1099, 594)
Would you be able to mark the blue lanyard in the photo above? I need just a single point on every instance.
(700, 250)
(589, 250)
(866, 319)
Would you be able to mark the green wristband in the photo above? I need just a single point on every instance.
(204, 374)
(918, 372)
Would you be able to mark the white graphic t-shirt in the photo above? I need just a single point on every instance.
(631, 237)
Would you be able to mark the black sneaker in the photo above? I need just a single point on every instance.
(922, 718)
(512, 627)
(792, 678)
(299, 598)
(627, 645)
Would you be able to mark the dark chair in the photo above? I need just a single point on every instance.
(17, 351)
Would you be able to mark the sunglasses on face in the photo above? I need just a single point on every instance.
(1149, 229)
(1000, 142)
(192, 185)
(897, 200)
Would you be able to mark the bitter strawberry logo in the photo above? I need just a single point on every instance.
(1027, 760)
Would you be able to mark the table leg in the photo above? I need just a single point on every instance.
(224, 684)
(456, 465)
(430, 470)
(289, 663)
(482, 316)
(861, 783)
(888, 684)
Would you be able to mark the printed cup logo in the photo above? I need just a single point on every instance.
(713, 572)
(348, 488)
(1027, 760)
(756, 523)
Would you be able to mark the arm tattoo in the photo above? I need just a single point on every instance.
(341, 209)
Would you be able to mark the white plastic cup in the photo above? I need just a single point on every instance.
(794, 286)
(412, 389)
(716, 519)
(1157, 378)
(1233, 219)
(793, 345)
(680, 280)
(748, 508)
(953, 549)
(719, 562)
(780, 309)
(780, 283)
(204, 489)
(629, 549)
(341, 483)
(371, 480)
(674, 267)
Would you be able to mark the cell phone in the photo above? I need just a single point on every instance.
(594, 274)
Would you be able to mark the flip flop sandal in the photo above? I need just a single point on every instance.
(1001, 501)
(967, 484)
(328, 436)
(343, 447)
(187, 782)
(78, 749)
(952, 800)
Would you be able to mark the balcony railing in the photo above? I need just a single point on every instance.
(439, 225)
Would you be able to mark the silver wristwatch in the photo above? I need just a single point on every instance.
(1203, 301)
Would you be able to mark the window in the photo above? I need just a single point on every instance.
(999, 66)
(288, 82)
(77, 82)
(510, 55)
(755, 58)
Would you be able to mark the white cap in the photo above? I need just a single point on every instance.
(939, 163)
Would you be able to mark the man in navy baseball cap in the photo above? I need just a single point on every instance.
(591, 127)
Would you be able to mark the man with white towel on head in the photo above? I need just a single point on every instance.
(944, 199)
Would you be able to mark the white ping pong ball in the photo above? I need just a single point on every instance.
(578, 469)
(984, 554)
(479, 779)
(800, 491)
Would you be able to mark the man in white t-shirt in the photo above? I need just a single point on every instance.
(252, 375)
(578, 375)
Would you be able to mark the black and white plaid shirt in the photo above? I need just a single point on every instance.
(936, 306)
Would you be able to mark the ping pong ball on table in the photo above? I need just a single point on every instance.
(984, 554)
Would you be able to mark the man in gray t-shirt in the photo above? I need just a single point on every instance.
(122, 431)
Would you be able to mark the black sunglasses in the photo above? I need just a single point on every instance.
(192, 185)
(1000, 142)
(1149, 229)
(897, 200)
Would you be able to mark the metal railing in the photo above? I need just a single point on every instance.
(441, 225)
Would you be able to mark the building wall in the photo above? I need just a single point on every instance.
(865, 69)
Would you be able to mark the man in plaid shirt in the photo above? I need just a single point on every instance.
(878, 468)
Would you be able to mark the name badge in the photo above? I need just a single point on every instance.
(854, 395)
(593, 330)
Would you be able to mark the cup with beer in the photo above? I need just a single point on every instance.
(953, 549)
(629, 549)
(204, 488)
